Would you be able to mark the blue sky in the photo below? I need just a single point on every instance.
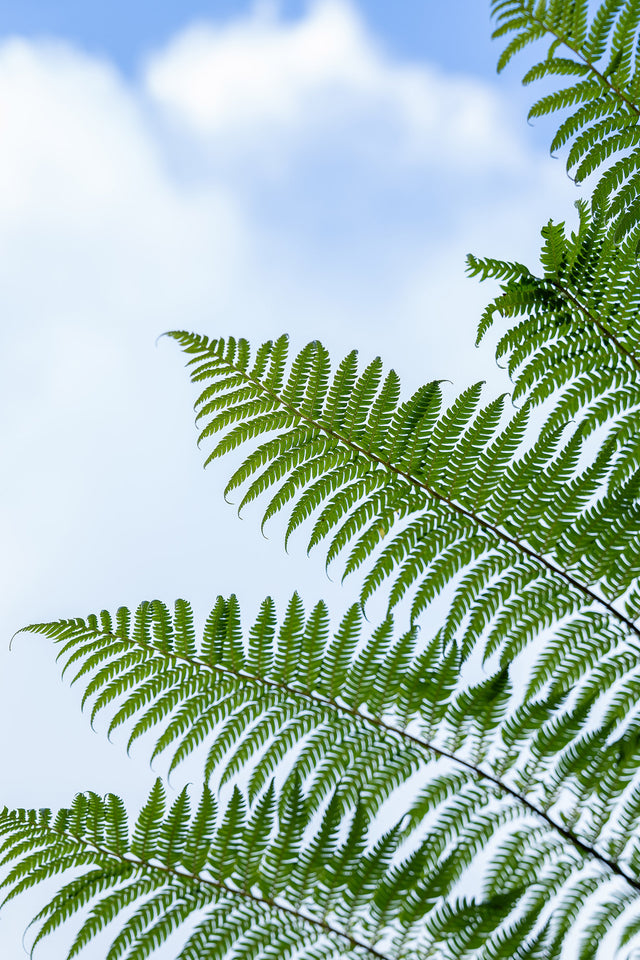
(455, 33)
(320, 169)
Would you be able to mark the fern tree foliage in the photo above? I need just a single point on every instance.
(424, 496)
(346, 699)
(244, 881)
(350, 718)
(595, 52)
(519, 793)
(576, 335)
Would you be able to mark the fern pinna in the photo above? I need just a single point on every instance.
(577, 339)
(595, 51)
(514, 795)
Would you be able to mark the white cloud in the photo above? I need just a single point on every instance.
(130, 207)
(258, 76)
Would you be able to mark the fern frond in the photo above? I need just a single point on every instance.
(425, 502)
(578, 337)
(596, 53)
(250, 880)
(362, 719)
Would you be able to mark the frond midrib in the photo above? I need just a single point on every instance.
(633, 107)
(273, 903)
(436, 495)
(586, 313)
(583, 847)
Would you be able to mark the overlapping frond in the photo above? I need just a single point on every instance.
(596, 53)
(361, 714)
(256, 694)
(245, 882)
(575, 333)
(250, 884)
(420, 495)
(559, 795)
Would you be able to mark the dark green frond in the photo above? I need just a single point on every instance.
(440, 497)
(239, 877)
(326, 888)
(595, 51)
(357, 720)
(574, 333)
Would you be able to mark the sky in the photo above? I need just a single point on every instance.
(316, 168)
(122, 31)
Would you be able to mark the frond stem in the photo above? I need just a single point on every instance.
(591, 318)
(272, 902)
(426, 746)
(633, 107)
(456, 507)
